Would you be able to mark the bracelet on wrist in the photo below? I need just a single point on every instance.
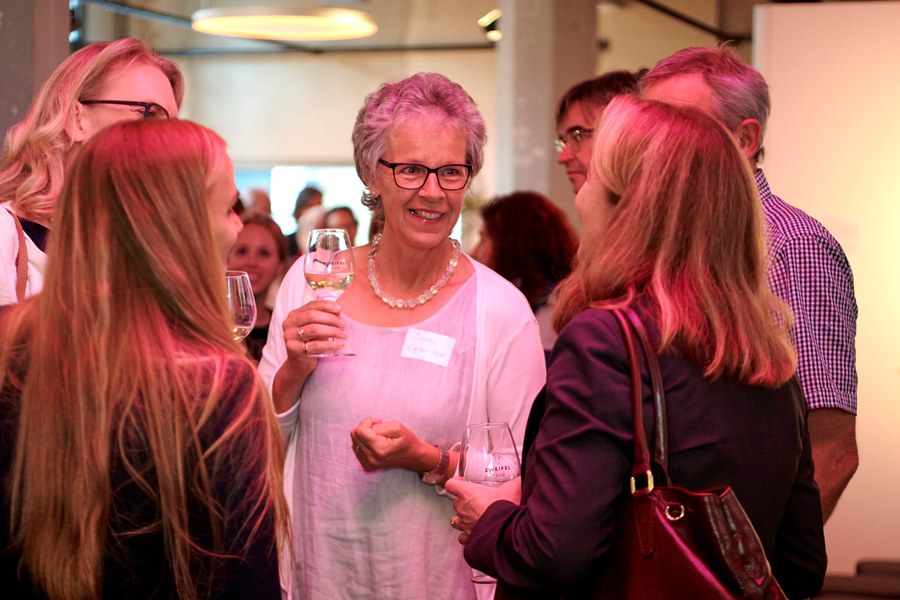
(437, 474)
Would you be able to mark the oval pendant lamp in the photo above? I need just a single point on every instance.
(298, 21)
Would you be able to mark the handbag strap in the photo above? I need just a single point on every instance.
(630, 324)
(641, 466)
(660, 422)
(21, 259)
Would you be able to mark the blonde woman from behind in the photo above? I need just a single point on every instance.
(139, 453)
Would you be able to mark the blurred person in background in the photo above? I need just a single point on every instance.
(309, 197)
(258, 201)
(342, 217)
(260, 250)
(528, 240)
(312, 218)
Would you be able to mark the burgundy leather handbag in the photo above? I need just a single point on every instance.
(672, 542)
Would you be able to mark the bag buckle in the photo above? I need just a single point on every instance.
(647, 484)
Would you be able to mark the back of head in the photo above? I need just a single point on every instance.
(532, 240)
(130, 347)
(739, 90)
(259, 201)
(38, 147)
(428, 94)
(683, 237)
(308, 196)
(597, 92)
(312, 218)
(136, 222)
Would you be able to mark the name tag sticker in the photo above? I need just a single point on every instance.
(430, 347)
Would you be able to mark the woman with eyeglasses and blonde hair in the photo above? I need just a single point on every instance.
(100, 84)
(439, 341)
(139, 456)
(672, 227)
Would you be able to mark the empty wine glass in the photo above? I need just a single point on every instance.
(328, 267)
(488, 457)
(241, 303)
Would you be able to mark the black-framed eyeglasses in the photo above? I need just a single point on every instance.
(412, 176)
(573, 138)
(152, 110)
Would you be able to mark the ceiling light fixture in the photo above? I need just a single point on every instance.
(491, 25)
(299, 21)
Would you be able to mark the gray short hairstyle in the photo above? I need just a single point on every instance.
(420, 94)
(740, 91)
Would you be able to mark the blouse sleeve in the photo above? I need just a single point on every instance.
(517, 374)
(510, 368)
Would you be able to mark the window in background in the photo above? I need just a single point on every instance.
(340, 187)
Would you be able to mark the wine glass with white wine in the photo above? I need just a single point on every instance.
(328, 267)
(241, 303)
(488, 456)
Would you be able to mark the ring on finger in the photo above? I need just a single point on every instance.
(305, 347)
(302, 334)
(454, 520)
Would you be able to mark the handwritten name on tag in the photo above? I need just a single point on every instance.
(430, 347)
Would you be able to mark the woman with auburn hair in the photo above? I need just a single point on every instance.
(528, 240)
(98, 85)
(139, 456)
(672, 228)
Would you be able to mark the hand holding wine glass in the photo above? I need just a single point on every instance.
(241, 303)
(488, 456)
(328, 268)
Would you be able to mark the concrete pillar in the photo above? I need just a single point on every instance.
(34, 39)
(546, 47)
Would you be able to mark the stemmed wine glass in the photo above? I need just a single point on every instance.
(488, 457)
(328, 267)
(241, 303)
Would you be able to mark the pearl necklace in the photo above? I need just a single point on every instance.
(424, 296)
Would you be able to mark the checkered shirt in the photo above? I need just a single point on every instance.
(809, 271)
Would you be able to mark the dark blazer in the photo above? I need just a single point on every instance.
(721, 433)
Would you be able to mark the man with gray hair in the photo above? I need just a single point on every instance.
(807, 266)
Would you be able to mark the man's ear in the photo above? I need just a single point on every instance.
(77, 130)
(749, 138)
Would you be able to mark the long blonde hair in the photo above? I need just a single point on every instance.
(38, 148)
(685, 239)
(131, 365)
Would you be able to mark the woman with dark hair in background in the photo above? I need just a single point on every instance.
(528, 240)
